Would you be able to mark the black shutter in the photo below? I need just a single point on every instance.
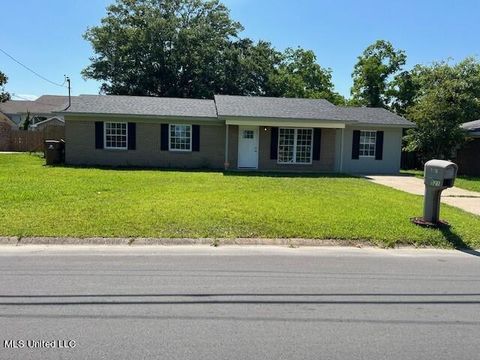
(164, 137)
(379, 146)
(356, 145)
(132, 136)
(98, 134)
(274, 143)
(317, 142)
(195, 137)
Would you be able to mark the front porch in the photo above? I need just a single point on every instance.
(271, 146)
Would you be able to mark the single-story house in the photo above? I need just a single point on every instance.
(39, 110)
(6, 126)
(468, 156)
(232, 132)
(53, 121)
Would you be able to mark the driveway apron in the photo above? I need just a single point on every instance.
(460, 198)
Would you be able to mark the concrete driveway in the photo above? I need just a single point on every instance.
(460, 198)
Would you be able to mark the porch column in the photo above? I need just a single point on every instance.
(226, 164)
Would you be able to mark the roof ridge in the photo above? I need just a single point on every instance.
(275, 97)
(143, 97)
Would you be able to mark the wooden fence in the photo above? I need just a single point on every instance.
(30, 141)
(5, 130)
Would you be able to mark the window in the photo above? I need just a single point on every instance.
(37, 119)
(295, 146)
(368, 140)
(180, 138)
(248, 134)
(115, 135)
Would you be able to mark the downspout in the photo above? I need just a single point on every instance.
(227, 165)
(341, 149)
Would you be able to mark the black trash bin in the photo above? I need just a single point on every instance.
(54, 151)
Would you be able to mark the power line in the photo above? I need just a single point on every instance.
(32, 71)
(21, 97)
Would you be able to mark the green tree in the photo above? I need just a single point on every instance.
(27, 122)
(447, 96)
(372, 73)
(403, 91)
(247, 68)
(299, 75)
(4, 96)
(178, 48)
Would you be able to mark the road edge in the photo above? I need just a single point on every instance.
(24, 241)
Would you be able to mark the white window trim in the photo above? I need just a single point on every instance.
(105, 136)
(375, 152)
(295, 148)
(169, 140)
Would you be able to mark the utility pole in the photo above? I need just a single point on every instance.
(67, 79)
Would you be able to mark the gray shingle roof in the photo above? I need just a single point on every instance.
(15, 106)
(43, 105)
(311, 109)
(58, 102)
(249, 106)
(234, 106)
(374, 116)
(142, 105)
(472, 126)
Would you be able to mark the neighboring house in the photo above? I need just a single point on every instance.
(15, 110)
(40, 109)
(6, 126)
(233, 132)
(4, 119)
(468, 156)
(53, 121)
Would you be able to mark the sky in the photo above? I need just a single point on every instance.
(47, 35)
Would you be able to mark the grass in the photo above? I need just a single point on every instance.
(464, 182)
(37, 200)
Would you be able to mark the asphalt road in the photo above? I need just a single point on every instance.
(239, 303)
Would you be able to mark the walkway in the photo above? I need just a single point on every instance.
(463, 199)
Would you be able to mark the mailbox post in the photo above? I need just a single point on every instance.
(438, 176)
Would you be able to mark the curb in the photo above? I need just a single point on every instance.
(9, 240)
(21, 241)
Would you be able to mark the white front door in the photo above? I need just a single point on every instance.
(248, 147)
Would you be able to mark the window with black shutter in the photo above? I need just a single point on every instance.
(195, 137)
(379, 146)
(317, 143)
(132, 136)
(99, 134)
(164, 137)
(356, 145)
(274, 143)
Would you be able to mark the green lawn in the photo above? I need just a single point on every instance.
(37, 200)
(463, 182)
(468, 183)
